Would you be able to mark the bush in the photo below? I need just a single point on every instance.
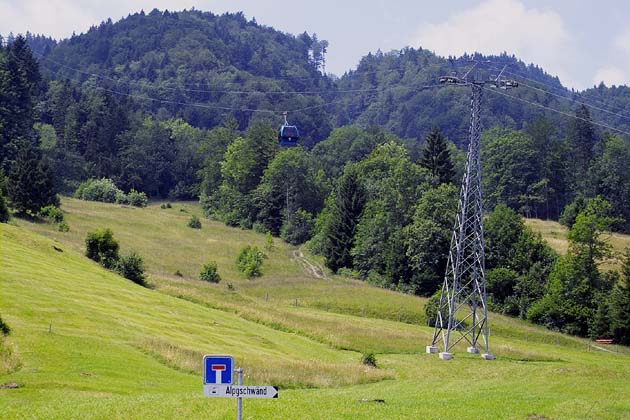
(131, 266)
(431, 309)
(4, 328)
(369, 359)
(250, 260)
(64, 227)
(121, 198)
(101, 247)
(137, 199)
(194, 222)
(102, 189)
(209, 273)
(52, 213)
(166, 206)
(269, 245)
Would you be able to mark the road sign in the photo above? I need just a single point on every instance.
(240, 391)
(217, 369)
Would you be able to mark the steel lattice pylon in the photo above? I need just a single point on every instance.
(462, 312)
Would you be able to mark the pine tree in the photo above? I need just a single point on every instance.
(437, 158)
(4, 211)
(30, 182)
(581, 139)
(346, 211)
(19, 81)
(620, 306)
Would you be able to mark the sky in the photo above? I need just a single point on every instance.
(583, 42)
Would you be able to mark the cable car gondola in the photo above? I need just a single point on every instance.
(288, 135)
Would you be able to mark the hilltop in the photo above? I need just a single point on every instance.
(226, 63)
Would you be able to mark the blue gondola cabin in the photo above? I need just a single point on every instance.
(288, 135)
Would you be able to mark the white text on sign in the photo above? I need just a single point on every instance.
(240, 391)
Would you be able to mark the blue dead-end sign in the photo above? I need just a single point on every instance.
(217, 369)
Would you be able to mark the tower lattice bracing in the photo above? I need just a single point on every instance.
(462, 313)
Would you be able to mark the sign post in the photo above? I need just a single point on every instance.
(218, 382)
(239, 400)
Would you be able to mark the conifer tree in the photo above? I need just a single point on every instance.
(19, 81)
(30, 182)
(437, 158)
(346, 210)
(620, 307)
(4, 211)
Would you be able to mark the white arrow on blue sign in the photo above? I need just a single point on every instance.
(240, 391)
(217, 369)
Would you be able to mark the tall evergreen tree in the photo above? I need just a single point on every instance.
(30, 182)
(4, 211)
(347, 207)
(581, 139)
(19, 82)
(620, 306)
(437, 158)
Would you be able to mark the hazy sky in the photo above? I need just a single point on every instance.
(582, 42)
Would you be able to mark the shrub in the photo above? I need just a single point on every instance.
(102, 189)
(250, 260)
(431, 309)
(131, 266)
(4, 328)
(209, 273)
(137, 199)
(194, 222)
(178, 273)
(121, 198)
(52, 213)
(64, 227)
(101, 247)
(166, 206)
(269, 245)
(368, 359)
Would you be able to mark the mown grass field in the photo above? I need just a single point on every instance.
(117, 350)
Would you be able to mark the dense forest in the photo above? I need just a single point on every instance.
(186, 105)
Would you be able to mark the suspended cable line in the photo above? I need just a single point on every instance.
(564, 97)
(221, 91)
(270, 111)
(566, 91)
(559, 112)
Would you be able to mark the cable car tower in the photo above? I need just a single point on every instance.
(462, 312)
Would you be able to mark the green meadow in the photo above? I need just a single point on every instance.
(86, 343)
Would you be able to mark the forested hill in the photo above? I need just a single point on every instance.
(399, 93)
(225, 64)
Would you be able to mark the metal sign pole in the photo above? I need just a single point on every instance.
(239, 400)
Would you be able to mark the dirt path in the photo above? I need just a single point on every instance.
(602, 349)
(310, 269)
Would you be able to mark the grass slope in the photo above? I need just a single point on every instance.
(117, 350)
(556, 236)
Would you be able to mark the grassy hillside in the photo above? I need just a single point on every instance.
(556, 236)
(117, 350)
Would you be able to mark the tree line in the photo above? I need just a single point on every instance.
(375, 205)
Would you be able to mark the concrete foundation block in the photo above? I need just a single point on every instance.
(487, 356)
(432, 349)
(473, 350)
(446, 356)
